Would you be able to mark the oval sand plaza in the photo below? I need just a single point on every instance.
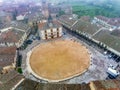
(59, 60)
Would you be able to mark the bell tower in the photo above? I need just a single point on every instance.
(45, 10)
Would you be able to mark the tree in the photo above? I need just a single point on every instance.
(61, 13)
(20, 70)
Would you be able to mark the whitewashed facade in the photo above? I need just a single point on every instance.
(51, 32)
(20, 17)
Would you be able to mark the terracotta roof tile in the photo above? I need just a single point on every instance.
(7, 55)
(46, 25)
(11, 36)
(111, 21)
(107, 84)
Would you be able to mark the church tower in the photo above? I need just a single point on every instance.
(45, 9)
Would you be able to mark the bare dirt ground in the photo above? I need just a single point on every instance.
(59, 59)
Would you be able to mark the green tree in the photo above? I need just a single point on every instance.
(20, 70)
(61, 13)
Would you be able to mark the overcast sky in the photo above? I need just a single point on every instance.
(67, 0)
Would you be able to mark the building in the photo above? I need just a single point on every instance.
(49, 30)
(32, 85)
(7, 58)
(12, 37)
(10, 80)
(45, 10)
(20, 17)
(5, 17)
(68, 20)
(67, 9)
(105, 85)
(94, 85)
(111, 23)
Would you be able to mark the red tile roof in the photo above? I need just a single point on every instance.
(7, 55)
(41, 25)
(111, 21)
(103, 18)
(11, 36)
(7, 50)
(9, 80)
(45, 25)
(107, 85)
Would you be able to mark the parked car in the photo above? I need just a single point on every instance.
(29, 42)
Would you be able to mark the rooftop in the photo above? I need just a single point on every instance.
(36, 16)
(7, 55)
(68, 20)
(20, 25)
(111, 21)
(86, 27)
(9, 80)
(109, 39)
(96, 85)
(31, 85)
(47, 25)
(107, 85)
(16, 24)
(12, 36)
(103, 18)
(116, 33)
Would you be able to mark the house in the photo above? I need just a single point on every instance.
(111, 23)
(49, 30)
(7, 58)
(12, 37)
(20, 17)
(10, 80)
(5, 17)
(105, 85)
(45, 10)
(33, 85)
(67, 9)
(94, 85)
